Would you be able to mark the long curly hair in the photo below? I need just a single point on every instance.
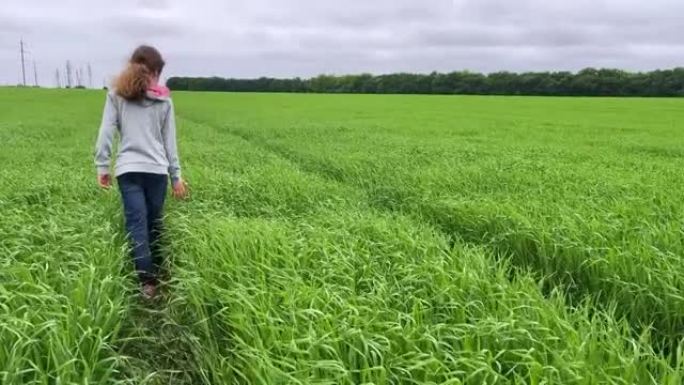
(145, 63)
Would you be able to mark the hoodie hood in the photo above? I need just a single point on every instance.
(158, 92)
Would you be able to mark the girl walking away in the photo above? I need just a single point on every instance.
(141, 112)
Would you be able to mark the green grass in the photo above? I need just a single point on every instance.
(353, 239)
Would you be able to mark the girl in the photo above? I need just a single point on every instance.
(141, 111)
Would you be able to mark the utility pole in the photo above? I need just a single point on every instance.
(90, 76)
(79, 77)
(68, 74)
(23, 66)
(35, 74)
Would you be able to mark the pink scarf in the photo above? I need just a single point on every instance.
(159, 91)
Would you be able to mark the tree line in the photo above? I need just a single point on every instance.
(587, 82)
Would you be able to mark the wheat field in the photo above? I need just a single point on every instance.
(353, 239)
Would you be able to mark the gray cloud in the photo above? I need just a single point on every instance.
(10, 24)
(153, 4)
(145, 27)
(307, 37)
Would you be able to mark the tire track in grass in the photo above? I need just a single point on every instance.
(528, 248)
(158, 349)
(152, 347)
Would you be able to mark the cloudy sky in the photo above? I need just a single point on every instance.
(282, 38)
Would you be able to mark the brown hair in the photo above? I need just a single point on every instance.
(133, 82)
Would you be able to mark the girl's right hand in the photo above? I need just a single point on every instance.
(104, 180)
(179, 189)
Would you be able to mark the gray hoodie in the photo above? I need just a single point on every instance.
(147, 132)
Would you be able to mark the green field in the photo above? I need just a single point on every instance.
(353, 239)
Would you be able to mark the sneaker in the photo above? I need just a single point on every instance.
(149, 291)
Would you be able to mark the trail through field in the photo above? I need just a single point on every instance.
(156, 348)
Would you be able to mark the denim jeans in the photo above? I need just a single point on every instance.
(143, 197)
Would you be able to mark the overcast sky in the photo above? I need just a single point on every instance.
(251, 38)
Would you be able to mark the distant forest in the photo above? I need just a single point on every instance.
(587, 82)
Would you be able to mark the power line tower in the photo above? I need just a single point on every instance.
(90, 76)
(68, 74)
(35, 74)
(58, 79)
(23, 65)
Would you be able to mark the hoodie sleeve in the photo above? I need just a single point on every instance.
(170, 144)
(103, 147)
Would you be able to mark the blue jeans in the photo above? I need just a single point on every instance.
(143, 197)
